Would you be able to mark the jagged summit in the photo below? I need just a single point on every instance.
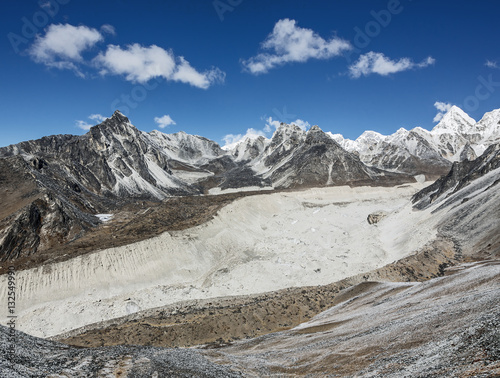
(116, 118)
(118, 113)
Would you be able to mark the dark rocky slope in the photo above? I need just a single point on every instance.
(460, 175)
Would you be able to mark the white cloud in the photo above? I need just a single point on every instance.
(442, 108)
(373, 62)
(492, 64)
(97, 117)
(140, 64)
(62, 45)
(83, 125)
(231, 140)
(304, 125)
(108, 29)
(290, 43)
(272, 124)
(164, 121)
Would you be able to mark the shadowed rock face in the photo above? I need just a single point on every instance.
(318, 161)
(460, 175)
(311, 159)
(36, 216)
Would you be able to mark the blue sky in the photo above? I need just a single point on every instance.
(218, 68)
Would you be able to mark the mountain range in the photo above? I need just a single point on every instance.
(305, 254)
(56, 185)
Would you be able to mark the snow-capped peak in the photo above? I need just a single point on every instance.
(489, 127)
(455, 120)
(370, 136)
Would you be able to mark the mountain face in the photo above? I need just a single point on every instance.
(58, 183)
(418, 151)
(67, 179)
(296, 158)
(460, 176)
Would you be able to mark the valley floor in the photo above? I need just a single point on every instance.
(255, 244)
(286, 283)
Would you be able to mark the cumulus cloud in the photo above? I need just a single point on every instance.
(62, 45)
(97, 118)
(304, 125)
(164, 121)
(140, 64)
(378, 63)
(492, 64)
(108, 29)
(83, 125)
(289, 43)
(442, 108)
(271, 125)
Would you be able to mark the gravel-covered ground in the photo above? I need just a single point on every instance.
(445, 327)
(36, 357)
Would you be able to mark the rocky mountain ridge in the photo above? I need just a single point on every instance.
(69, 179)
(72, 178)
(418, 151)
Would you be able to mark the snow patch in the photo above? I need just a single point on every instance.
(104, 217)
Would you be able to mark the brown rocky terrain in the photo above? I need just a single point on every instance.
(223, 320)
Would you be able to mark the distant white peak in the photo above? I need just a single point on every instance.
(155, 133)
(336, 137)
(491, 118)
(347, 144)
(370, 136)
(455, 120)
(489, 127)
(246, 140)
(420, 130)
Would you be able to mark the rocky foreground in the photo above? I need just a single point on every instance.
(443, 327)
(447, 326)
